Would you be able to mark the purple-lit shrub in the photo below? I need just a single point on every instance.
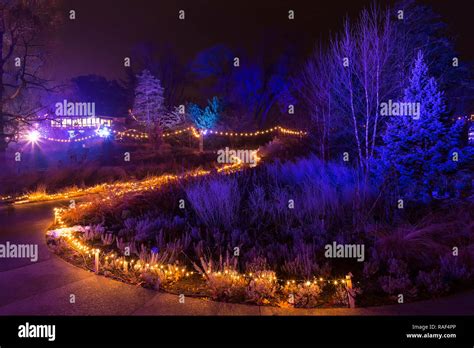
(398, 280)
(452, 268)
(107, 239)
(93, 232)
(216, 202)
(432, 282)
(302, 260)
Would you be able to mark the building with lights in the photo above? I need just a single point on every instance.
(90, 122)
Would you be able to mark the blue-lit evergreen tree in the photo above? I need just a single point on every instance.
(418, 148)
(205, 118)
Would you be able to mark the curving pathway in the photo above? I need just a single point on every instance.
(45, 287)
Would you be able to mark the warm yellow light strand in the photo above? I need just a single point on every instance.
(195, 132)
(175, 270)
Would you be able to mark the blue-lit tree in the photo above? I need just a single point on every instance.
(418, 149)
(257, 87)
(205, 118)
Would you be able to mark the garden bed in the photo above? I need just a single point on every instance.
(258, 236)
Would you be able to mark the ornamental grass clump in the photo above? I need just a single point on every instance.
(228, 285)
(222, 278)
(302, 295)
(262, 288)
(216, 202)
(149, 273)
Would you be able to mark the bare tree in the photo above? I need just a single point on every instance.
(344, 55)
(373, 35)
(363, 57)
(21, 62)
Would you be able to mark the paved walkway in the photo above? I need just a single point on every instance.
(45, 287)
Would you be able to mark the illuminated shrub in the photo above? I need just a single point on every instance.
(227, 285)
(262, 287)
(305, 295)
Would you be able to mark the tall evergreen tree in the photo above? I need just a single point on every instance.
(417, 147)
(148, 105)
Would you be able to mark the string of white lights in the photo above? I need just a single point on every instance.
(135, 134)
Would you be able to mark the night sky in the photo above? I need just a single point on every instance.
(105, 31)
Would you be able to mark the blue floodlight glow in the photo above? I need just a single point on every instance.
(103, 132)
